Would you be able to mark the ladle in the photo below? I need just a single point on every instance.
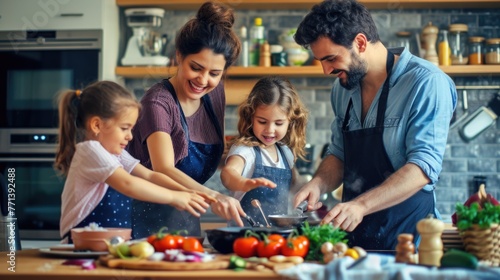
(256, 203)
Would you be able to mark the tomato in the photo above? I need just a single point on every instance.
(167, 242)
(276, 237)
(192, 245)
(295, 248)
(268, 249)
(270, 246)
(246, 247)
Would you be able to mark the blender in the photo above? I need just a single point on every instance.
(145, 47)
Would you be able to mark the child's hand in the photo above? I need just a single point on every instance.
(191, 202)
(250, 184)
(208, 198)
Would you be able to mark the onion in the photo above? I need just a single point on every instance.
(87, 264)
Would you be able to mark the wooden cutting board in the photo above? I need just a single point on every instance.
(113, 262)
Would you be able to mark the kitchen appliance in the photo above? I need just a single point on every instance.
(35, 66)
(145, 47)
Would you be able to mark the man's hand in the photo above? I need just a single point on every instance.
(310, 192)
(346, 216)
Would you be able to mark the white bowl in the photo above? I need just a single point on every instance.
(297, 57)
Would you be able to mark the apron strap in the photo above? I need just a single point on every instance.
(207, 103)
(382, 103)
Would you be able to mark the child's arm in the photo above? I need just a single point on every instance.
(138, 188)
(165, 181)
(231, 176)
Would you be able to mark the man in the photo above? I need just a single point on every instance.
(392, 114)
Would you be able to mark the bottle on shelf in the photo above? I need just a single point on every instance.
(444, 51)
(243, 60)
(265, 55)
(257, 37)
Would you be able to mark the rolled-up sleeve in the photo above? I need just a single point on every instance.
(428, 123)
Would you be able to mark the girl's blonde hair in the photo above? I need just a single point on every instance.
(104, 99)
(274, 90)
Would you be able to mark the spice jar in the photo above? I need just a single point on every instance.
(476, 50)
(458, 43)
(493, 51)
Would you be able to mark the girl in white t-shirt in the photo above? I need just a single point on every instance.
(94, 128)
(272, 134)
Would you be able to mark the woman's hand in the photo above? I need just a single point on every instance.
(189, 201)
(228, 208)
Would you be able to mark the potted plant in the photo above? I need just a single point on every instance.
(478, 223)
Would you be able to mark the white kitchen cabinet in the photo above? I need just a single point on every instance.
(35, 15)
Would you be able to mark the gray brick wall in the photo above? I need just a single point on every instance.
(462, 161)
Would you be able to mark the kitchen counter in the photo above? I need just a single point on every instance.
(30, 264)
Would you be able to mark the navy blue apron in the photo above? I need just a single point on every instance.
(114, 210)
(366, 165)
(273, 201)
(200, 164)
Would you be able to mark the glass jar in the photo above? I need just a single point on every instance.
(403, 39)
(458, 43)
(493, 51)
(476, 50)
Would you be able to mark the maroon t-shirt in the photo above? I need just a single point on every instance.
(161, 113)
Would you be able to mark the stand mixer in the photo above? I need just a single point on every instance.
(145, 47)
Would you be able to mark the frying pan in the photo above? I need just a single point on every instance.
(287, 220)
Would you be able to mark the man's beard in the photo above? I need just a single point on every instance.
(356, 72)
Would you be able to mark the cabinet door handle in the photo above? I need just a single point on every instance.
(71, 15)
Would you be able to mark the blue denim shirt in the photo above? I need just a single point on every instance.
(420, 105)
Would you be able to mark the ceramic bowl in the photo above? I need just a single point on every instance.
(93, 240)
(297, 57)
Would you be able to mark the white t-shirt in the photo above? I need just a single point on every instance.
(248, 155)
(84, 188)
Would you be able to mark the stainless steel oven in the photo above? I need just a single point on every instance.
(34, 67)
(28, 156)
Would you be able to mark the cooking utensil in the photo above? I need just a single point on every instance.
(251, 221)
(256, 203)
(465, 107)
(287, 220)
(301, 208)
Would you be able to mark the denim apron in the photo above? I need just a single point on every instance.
(273, 201)
(200, 164)
(114, 210)
(366, 166)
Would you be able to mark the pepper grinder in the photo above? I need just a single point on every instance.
(430, 249)
(405, 248)
(265, 55)
(429, 38)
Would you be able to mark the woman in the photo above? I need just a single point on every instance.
(180, 131)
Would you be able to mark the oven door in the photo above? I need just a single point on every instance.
(37, 192)
(35, 66)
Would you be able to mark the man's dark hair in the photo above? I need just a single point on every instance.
(339, 20)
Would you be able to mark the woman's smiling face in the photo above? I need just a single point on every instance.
(199, 73)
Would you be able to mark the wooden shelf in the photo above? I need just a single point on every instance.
(307, 4)
(135, 72)
(139, 72)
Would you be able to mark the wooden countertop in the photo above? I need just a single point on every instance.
(31, 264)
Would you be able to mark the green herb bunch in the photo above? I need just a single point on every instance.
(477, 215)
(318, 235)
